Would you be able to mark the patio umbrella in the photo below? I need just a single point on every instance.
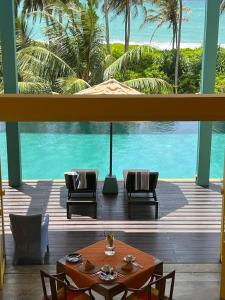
(110, 87)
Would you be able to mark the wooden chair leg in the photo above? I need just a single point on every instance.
(156, 210)
(154, 196)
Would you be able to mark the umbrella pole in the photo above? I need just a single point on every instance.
(110, 184)
(111, 149)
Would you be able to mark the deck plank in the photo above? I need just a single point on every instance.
(187, 230)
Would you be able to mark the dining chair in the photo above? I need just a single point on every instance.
(30, 235)
(60, 288)
(154, 289)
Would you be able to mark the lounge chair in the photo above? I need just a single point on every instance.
(81, 182)
(30, 234)
(140, 194)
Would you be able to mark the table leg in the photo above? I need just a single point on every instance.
(159, 268)
(108, 297)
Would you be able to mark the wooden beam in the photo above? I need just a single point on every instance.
(112, 108)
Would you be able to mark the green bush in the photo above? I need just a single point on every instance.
(160, 64)
(220, 83)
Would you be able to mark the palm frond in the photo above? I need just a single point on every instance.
(23, 32)
(43, 62)
(150, 85)
(109, 59)
(222, 7)
(1, 87)
(26, 87)
(132, 56)
(72, 85)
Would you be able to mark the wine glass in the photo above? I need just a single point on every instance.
(109, 247)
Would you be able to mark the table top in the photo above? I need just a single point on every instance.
(95, 254)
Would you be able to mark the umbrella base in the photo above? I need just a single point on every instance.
(110, 185)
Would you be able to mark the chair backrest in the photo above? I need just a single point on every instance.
(161, 285)
(70, 179)
(91, 181)
(60, 287)
(91, 178)
(26, 231)
(51, 282)
(130, 181)
(159, 282)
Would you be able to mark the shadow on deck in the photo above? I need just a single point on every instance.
(187, 230)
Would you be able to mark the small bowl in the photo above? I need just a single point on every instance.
(108, 277)
(73, 257)
(129, 258)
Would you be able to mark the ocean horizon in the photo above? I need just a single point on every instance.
(192, 30)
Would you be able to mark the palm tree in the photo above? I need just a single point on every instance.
(73, 58)
(124, 7)
(30, 6)
(167, 11)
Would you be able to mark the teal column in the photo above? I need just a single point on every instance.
(208, 76)
(8, 43)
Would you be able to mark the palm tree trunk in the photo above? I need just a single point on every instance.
(174, 34)
(127, 25)
(125, 30)
(106, 12)
(178, 46)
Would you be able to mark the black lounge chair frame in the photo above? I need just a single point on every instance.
(74, 193)
(150, 197)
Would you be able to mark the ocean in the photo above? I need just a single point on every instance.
(192, 31)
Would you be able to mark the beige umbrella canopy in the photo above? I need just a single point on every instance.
(110, 87)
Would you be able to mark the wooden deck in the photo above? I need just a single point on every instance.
(187, 230)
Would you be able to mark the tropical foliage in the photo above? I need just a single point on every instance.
(73, 56)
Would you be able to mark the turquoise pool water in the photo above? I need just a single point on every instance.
(50, 149)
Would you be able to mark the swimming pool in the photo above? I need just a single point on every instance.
(50, 149)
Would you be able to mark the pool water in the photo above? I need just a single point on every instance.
(50, 149)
